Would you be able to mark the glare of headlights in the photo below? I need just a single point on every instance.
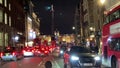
(61, 51)
(97, 58)
(74, 58)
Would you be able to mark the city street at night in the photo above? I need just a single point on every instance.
(59, 33)
(35, 62)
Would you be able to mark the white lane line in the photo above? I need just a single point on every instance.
(56, 64)
(40, 63)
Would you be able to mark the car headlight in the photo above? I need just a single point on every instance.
(61, 51)
(74, 58)
(97, 58)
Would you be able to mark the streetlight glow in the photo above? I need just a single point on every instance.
(73, 27)
(102, 1)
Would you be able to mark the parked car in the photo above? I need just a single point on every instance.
(81, 57)
(11, 53)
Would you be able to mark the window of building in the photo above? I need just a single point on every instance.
(1, 1)
(114, 44)
(1, 39)
(6, 39)
(5, 18)
(9, 21)
(9, 6)
(5, 3)
(1, 16)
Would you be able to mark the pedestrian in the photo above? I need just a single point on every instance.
(48, 64)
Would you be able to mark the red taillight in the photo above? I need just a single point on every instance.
(46, 51)
(24, 51)
(1, 54)
(13, 53)
(32, 50)
(38, 51)
(43, 49)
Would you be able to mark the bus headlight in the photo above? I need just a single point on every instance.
(97, 58)
(74, 58)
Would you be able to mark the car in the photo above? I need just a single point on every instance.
(37, 51)
(81, 57)
(28, 51)
(11, 53)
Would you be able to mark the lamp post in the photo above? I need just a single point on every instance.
(98, 33)
(52, 15)
(102, 10)
(51, 9)
(75, 34)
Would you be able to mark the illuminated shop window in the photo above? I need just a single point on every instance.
(1, 16)
(5, 18)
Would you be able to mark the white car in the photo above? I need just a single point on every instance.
(28, 52)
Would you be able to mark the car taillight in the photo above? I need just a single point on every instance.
(38, 51)
(43, 49)
(32, 50)
(13, 53)
(46, 51)
(24, 51)
(1, 54)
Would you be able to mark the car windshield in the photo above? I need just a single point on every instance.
(78, 49)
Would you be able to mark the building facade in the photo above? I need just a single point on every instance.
(90, 20)
(12, 22)
(18, 22)
(32, 24)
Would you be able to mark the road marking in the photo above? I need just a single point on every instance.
(40, 63)
(57, 64)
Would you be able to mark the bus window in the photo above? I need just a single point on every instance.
(114, 44)
(115, 16)
(107, 19)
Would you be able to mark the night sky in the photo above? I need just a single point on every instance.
(64, 11)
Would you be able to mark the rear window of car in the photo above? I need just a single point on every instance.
(79, 49)
(9, 49)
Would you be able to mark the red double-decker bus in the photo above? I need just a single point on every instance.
(111, 39)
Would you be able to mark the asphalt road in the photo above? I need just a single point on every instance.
(35, 62)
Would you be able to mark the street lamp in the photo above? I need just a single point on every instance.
(73, 28)
(102, 1)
